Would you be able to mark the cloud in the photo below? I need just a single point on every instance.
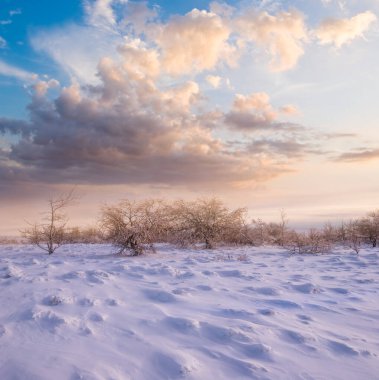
(214, 80)
(12, 71)
(100, 13)
(284, 148)
(359, 156)
(339, 32)
(251, 112)
(41, 87)
(194, 42)
(3, 43)
(127, 129)
(77, 49)
(138, 59)
(282, 35)
(14, 12)
(134, 112)
(289, 109)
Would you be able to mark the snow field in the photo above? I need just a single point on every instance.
(231, 313)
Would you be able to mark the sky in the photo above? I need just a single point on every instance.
(265, 104)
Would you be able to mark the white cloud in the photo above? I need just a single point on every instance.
(12, 71)
(214, 80)
(3, 43)
(282, 35)
(339, 32)
(15, 12)
(78, 49)
(194, 42)
(289, 109)
(42, 86)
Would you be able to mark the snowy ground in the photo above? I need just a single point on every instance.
(245, 313)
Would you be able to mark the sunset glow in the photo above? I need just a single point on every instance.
(266, 104)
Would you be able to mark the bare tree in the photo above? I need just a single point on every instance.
(133, 225)
(283, 227)
(51, 233)
(354, 237)
(205, 220)
(330, 233)
(369, 227)
(87, 235)
(312, 241)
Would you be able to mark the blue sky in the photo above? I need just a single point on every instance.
(268, 104)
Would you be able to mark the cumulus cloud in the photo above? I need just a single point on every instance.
(281, 35)
(251, 112)
(339, 32)
(196, 41)
(41, 87)
(134, 111)
(129, 129)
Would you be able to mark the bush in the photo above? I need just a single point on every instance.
(206, 221)
(312, 241)
(133, 226)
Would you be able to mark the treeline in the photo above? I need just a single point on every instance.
(135, 226)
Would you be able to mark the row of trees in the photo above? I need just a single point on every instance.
(135, 226)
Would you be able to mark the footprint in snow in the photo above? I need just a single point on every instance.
(97, 276)
(256, 351)
(285, 304)
(88, 302)
(306, 288)
(230, 273)
(112, 302)
(267, 291)
(205, 288)
(339, 290)
(46, 320)
(221, 334)
(96, 317)
(182, 325)
(340, 348)
(292, 336)
(168, 367)
(160, 296)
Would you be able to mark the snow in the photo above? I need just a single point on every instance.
(230, 313)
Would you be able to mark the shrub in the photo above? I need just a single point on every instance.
(132, 225)
(206, 221)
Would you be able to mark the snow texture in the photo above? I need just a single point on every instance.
(231, 313)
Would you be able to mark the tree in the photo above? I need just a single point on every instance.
(51, 233)
(283, 227)
(369, 227)
(354, 237)
(205, 220)
(133, 225)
